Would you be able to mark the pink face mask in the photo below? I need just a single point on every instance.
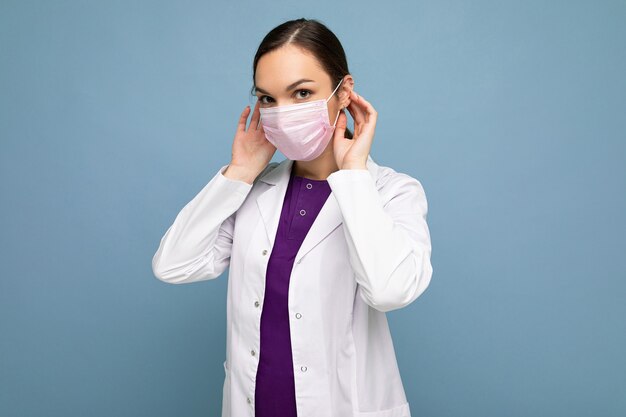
(300, 131)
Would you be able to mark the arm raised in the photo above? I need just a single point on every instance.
(197, 246)
(388, 241)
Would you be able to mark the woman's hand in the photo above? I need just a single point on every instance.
(353, 153)
(251, 149)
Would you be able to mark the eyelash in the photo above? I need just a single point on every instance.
(295, 92)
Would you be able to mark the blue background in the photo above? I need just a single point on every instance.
(113, 115)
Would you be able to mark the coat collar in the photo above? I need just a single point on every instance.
(270, 203)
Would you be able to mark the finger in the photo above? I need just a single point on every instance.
(359, 117)
(254, 122)
(241, 126)
(357, 113)
(260, 130)
(370, 112)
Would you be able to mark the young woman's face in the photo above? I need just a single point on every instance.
(289, 75)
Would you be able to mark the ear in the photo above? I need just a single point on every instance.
(345, 91)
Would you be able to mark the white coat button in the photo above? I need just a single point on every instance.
(309, 186)
(264, 251)
(303, 368)
(253, 352)
(249, 400)
(298, 315)
(256, 304)
(302, 212)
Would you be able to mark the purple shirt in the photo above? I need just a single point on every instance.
(275, 388)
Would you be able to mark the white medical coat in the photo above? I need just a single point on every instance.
(367, 252)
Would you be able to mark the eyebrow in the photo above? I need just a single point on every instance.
(289, 87)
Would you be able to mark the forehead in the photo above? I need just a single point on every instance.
(277, 69)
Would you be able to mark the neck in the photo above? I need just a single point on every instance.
(316, 169)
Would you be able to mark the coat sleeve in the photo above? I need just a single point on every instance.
(388, 240)
(197, 246)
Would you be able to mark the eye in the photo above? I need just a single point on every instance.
(262, 97)
(303, 90)
(297, 94)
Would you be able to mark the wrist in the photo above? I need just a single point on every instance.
(354, 166)
(354, 163)
(238, 173)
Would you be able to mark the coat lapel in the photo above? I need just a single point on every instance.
(270, 203)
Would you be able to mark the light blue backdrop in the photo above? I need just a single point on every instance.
(512, 115)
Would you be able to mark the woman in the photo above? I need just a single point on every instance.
(319, 246)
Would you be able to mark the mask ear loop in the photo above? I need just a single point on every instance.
(333, 93)
(336, 118)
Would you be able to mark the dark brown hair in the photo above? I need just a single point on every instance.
(312, 36)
